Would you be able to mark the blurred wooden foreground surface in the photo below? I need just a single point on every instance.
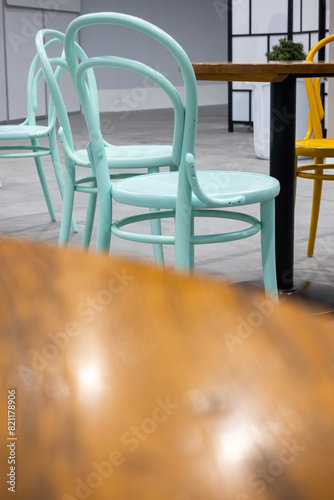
(127, 382)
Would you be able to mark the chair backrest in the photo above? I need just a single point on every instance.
(53, 68)
(316, 114)
(34, 76)
(185, 113)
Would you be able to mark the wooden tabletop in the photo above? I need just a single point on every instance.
(274, 71)
(128, 382)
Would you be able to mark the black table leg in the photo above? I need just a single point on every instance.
(282, 167)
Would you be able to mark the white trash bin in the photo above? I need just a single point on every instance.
(261, 115)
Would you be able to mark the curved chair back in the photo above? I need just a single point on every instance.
(34, 75)
(53, 68)
(185, 113)
(316, 114)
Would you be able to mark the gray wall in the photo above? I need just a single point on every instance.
(200, 26)
(17, 49)
(3, 97)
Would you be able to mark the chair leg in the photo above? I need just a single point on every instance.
(89, 222)
(156, 229)
(104, 216)
(42, 178)
(157, 248)
(68, 200)
(90, 214)
(268, 248)
(192, 246)
(317, 189)
(183, 231)
(58, 171)
(104, 221)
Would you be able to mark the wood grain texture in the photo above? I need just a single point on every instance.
(260, 71)
(136, 383)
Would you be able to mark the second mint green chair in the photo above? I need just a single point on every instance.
(122, 161)
(53, 68)
(182, 195)
(14, 138)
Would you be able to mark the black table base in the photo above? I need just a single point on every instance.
(317, 296)
(282, 161)
(282, 167)
(316, 299)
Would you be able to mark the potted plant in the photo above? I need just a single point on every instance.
(285, 50)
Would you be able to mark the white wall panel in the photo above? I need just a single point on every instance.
(310, 17)
(241, 86)
(240, 17)
(314, 38)
(304, 39)
(296, 15)
(274, 40)
(240, 106)
(270, 16)
(249, 49)
(252, 38)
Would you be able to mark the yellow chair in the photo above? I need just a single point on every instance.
(316, 147)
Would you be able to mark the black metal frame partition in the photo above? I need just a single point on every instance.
(289, 33)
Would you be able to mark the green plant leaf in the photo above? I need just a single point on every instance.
(286, 50)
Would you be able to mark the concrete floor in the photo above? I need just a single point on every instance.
(24, 213)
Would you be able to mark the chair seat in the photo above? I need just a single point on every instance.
(136, 156)
(159, 190)
(9, 132)
(323, 148)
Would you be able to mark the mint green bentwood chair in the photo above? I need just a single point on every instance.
(128, 159)
(53, 68)
(30, 131)
(184, 194)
